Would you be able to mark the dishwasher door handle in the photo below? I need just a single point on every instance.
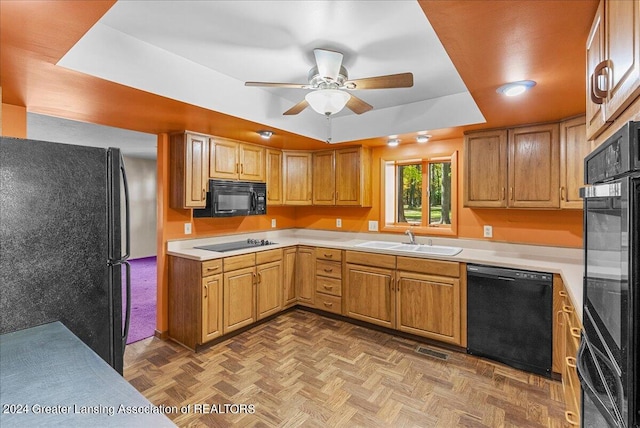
(504, 278)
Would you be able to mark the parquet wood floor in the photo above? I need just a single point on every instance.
(302, 369)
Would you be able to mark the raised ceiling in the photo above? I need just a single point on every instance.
(489, 43)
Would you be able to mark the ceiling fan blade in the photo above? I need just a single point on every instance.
(329, 63)
(401, 80)
(358, 106)
(278, 85)
(296, 108)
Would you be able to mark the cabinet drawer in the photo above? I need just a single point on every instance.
(211, 267)
(329, 303)
(239, 262)
(268, 256)
(327, 268)
(331, 286)
(329, 254)
(371, 259)
(435, 267)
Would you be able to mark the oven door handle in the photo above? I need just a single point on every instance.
(588, 386)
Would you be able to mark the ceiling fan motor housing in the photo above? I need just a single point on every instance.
(321, 82)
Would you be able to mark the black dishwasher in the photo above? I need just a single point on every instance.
(509, 317)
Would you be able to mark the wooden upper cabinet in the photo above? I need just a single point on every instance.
(274, 177)
(233, 160)
(534, 173)
(297, 178)
(189, 170)
(342, 177)
(574, 147)
(324, 177)
(353, 176)
(614, 81)
(485, 169)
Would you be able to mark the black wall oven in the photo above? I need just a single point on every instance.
(608, 356)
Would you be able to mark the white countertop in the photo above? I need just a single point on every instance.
(568, 262)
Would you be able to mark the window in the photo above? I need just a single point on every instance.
(421, 193)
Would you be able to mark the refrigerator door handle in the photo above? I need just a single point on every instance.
(127, 319)
(127, 251)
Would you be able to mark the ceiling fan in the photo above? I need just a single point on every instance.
(330, 82)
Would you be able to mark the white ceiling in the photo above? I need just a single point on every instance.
(131, 143)
(202, 52)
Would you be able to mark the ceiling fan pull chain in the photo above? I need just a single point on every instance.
(328, 129)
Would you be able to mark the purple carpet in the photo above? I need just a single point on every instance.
(143, 298)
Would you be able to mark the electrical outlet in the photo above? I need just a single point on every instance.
(338, 222)
(187, 228)
(373, 225)
(488, 231)
(273, 222)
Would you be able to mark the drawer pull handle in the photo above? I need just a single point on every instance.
(571, 418)
(328, 270)
(213, 268)
(571, 362)
(328, 256)
(328, 304)
(562, 293)
(575, 332)
(568, 309)
(328, 287)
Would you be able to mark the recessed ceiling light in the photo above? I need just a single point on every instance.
(265, 134)
(393, 142)
(423, 138)
(516, 88)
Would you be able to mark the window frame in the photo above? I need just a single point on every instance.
(423, 228)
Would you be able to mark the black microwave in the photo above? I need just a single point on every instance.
(234, 198)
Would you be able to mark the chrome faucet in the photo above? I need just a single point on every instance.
(412, 237)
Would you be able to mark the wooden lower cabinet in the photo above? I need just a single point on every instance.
(211, 307)
(289, 277)
(305, 276)
(429, 306)
(370, 294)
(239, 300)
(269, 289)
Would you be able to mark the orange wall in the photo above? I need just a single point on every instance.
(14, 121)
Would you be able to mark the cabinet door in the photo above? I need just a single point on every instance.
(347, 178)
(289, 277)
(305, 276)
(251, 162)
(485, 169)
(239, 299)
(534, 167)
(595, 55)
(573, 149)
(429, 306)
(223, 159)
(274, 177)
(189, 168)
(370, 295)
(622, 38)
(324, 178)
(297, 178)
(269, 289)
(211, 307)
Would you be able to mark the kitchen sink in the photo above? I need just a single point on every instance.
(412, 248)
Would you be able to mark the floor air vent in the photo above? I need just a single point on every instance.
(431, 353)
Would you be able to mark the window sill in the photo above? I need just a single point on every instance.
(420, 230)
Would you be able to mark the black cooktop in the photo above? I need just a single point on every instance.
(236, 245)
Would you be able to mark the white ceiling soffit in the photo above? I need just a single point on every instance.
(131, 143)
(202, 52)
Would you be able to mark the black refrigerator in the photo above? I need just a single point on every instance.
(63, 246)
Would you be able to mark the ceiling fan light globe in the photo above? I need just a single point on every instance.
(327, 101)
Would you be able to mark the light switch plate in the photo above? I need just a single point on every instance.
(273, 222)
(488, 231)
(187, 228)
(338, 222)
(373, 225)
